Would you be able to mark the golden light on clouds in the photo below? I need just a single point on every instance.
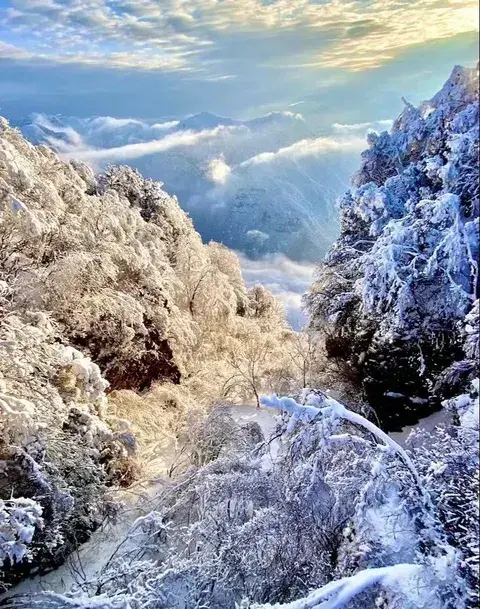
(400, 27)
(352, 35)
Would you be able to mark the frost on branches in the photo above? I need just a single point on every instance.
(120, 267)
(404, 273)
(338, 515)
(19, 519)
(342, 516)
(58, 454)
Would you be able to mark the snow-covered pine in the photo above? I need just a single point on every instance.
(404, 271)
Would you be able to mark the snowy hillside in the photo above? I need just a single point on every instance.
(105, 284)
(261, 186)
(396, 286)
(258, 462)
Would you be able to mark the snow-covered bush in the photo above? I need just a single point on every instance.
(227, 530)
(19, 518)
(448, 459)
(404, 271)
(58, 453)
(342, 516)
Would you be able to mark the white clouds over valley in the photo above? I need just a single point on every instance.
(140, 149)
(309, 147)
(261, 186)
(219, 171)
(286, 279)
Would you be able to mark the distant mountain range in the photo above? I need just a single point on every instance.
(260, 186)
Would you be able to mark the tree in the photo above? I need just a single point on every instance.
(303, 352)
(249, 361)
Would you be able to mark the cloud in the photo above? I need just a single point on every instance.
(11, 51)
(217, 78)
(218, 171)
(308, 147)
(69, 140)
(362, 128)
(140, 149)
(257, 235)
(223, 174)
(109, 122)
(182, 35)
(286, 279)
(347, 138)
(166, 125)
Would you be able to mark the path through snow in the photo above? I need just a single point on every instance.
(428, 424)
(89, 559)
(83, 564)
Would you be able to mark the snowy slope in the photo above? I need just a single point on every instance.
(396, 286)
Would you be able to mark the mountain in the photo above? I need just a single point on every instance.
(205, 120)
(231, 506)
(260, 186)
(394, 290)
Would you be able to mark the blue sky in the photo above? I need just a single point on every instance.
(344, 60)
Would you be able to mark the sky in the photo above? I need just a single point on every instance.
(341, 60)
(339, 64)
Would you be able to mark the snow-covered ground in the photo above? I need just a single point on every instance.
(92, 556)
(428, 424)
(244, 414)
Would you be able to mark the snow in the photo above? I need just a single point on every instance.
(19, 519)
(139, 501)
(337, 593)
(393, 394)
(90, 558)
(277, 504)
(243, 414)
(408, 248)
(428, 424)
(333, 409)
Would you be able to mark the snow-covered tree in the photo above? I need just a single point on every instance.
(404, 271)
(59, 453)
(342, 516)
(120, 267)
(104, 283)
(19, 519)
